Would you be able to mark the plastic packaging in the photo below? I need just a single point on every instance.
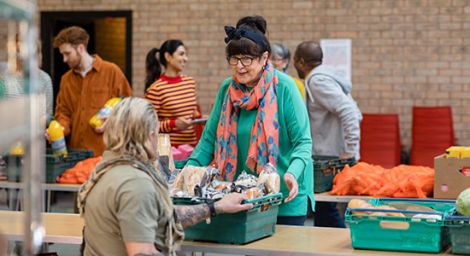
(17, 149)
(270, 178)
(98, 119)
(56, 134)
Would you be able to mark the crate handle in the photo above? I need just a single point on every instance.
(402, 225)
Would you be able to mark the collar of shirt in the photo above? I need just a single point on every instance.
(96, 65)
(171, 79)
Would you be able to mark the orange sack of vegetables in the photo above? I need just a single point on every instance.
(373, 180)
(80, 172)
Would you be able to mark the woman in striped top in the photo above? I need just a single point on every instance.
(172, 94)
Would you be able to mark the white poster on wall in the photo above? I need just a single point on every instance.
(337, 55)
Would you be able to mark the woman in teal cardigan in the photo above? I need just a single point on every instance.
(258, 118)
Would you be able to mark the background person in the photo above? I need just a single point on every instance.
(173, 95)
(334, 117)
(280, 59)
(126, 203)
(84, 89)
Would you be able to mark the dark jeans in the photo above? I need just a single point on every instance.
(291, 220)
(327, 215)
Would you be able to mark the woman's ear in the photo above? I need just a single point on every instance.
(167, 56)
(265, 58)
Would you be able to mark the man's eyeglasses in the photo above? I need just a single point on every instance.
(245, 60)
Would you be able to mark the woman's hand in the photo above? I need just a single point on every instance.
(292, 185)
(232, 203)
(182, 123)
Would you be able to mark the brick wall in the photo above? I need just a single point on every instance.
(404, 52)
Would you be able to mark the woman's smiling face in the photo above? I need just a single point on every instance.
(247, 69)
(178, 59)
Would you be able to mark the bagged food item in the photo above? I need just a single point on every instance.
(386, 207)
(270, 178)
(192, 179)
(428, 216)
(98, 119)
(246, 180)
(254, 192)
(359, 203)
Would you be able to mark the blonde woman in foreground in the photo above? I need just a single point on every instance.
(125, 202)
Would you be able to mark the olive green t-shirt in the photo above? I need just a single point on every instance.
(122, 206)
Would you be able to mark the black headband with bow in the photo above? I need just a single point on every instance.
(237, 33)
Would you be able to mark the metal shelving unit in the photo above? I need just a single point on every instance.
(22, 111)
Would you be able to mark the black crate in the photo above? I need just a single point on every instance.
(324, 170)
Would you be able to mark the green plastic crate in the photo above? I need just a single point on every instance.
(400, 233)
(459, 230)
(13, 167)
(56, 165)
(324, 170)
(242, 227)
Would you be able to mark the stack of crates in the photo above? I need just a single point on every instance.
(459, 230)
(324, 170)
(55, 165)
(238, 228)
(416, 231)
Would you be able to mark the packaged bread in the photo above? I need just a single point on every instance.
(270, 178)
(188, 178)
(359, 203)
(386, 207)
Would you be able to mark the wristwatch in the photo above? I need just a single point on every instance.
(211, 206)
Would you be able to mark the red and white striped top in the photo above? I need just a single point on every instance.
(174, 97)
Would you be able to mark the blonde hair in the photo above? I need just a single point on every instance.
(129, 127)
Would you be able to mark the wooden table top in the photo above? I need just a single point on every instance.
(288, 240)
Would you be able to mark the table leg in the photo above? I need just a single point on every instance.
(48, 201)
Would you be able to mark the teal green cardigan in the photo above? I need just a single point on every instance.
(295, 143)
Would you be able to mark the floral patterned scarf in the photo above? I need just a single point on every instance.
(264, 136)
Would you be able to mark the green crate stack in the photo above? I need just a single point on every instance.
(13, 167)
(396, 233)
(242, 227)
(324, 170)
(55, 165)
(459, 230)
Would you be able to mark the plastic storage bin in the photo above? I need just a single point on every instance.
(459, 230)
(13, 167)
(324, 170)
(242, 227)
(407, 233)
(55, 165)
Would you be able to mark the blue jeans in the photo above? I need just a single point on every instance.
(327, 215)
(291, 220)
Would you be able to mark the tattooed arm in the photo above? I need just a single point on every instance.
(191, 215)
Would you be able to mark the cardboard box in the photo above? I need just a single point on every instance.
(451, 176)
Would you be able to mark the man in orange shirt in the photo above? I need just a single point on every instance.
(84, 89)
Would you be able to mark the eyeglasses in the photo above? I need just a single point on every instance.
(245, 60)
